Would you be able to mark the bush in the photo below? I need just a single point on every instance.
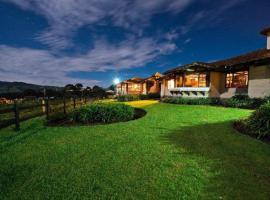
(266, 99)
(103, 113)
(243, 101)
(259, 121)
(133, 97)
(128, 97)
(149, 96)
(153, 96)
(143, 97)
(192, 101)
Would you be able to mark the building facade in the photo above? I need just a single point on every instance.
(247, 74)
(136, 85)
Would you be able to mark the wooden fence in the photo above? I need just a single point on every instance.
(21, 111)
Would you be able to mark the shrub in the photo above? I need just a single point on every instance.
(134, 97)
(153, 95)
(103, 113)
(243, 101)
(192, 101)
(266, 99)
(241, 97)
(143, 97)
(128, 97)
(149, 96)
(259, 121)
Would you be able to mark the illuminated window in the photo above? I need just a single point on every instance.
(134, 87)
(171, 84)
(179, 81)
(237, 79)
(196, 80)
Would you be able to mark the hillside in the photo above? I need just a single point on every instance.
(14, 87)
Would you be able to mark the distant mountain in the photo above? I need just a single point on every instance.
(14, 87)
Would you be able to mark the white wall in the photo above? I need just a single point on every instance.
(268, 41)
(259, 81)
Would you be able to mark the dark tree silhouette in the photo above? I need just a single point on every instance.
(98, 92)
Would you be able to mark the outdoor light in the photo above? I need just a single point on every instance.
(116, 81)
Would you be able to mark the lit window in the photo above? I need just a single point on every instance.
(237, 79)
(171, 84)
(134, 87)
(196, 80)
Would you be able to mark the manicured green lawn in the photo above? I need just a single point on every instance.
(174, 152)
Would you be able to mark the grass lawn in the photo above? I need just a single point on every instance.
(174, 152)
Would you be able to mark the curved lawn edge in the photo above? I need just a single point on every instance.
(138, 113)
(176, 152)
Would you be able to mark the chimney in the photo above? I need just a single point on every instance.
(266, 32)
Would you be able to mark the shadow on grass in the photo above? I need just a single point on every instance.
(28, 129)
(240, 164)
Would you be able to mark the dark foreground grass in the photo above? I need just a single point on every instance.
(174, 152)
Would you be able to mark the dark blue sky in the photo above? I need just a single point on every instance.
(55, 42)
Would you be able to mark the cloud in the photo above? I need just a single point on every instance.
(44, 67)
(66, 16)
(172, 35)
(188, 40)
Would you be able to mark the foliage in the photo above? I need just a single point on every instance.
(149, 96)
(98, 92)
(127, 97)
(132, 97)
(238, 101)
(103, 112)
(242, 101)
(259, 121)
(192, 101)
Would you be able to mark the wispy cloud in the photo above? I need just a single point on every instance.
(43, 67)
(188, 40)
(66, 16)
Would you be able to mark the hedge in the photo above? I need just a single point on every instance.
(103, 113)
(132, 97)
(238, 101)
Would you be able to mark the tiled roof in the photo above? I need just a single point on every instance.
(254, 56)
(265, 31)
(135, 80)
(251, 57)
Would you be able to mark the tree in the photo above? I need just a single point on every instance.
(98, 92)
(78, 89)
(87, 91)
(111, 87)
(30, 92)
(79, 86)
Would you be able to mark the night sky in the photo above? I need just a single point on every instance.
(56, 42)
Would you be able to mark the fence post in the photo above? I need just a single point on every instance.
(43, 103)
(17, 116)
(74, 102)
(65, 110)
(47, 108)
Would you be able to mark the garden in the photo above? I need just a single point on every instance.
(173, 152)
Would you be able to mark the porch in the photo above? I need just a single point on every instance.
(190, 91)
